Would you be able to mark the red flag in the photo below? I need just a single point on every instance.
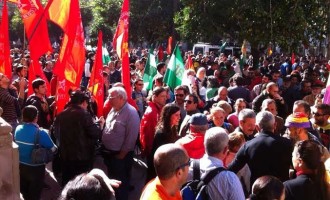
(169, 46)
(96, 82)
(70, 65)
(160, 53)
(62, 96)
(35, 72)
(120, 42)
(36, 28)
(293, 58)
(189, 63)
(120, 39)
(5, 62)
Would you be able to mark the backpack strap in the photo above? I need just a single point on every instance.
(209, 176)
(196, 170)
(37, 139)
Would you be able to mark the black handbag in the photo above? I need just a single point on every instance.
(40, 155)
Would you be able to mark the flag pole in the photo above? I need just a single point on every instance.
(39, 20)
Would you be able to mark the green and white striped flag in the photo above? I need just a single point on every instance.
(105, 56)
(175, 69)
(150, 70)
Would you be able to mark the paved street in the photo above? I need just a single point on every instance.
(137, 181)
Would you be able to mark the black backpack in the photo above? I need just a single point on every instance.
(196, 189)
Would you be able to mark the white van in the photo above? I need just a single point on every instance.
(205, 47)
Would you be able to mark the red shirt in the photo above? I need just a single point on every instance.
(193, 143)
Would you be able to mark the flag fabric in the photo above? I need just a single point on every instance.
(120, 42)
(293, 58)
(174, 73)
(243, 49)
(70, 65)
(160, 54)
(5, 62)
(105, 56)
(35, 71)
(150, 70)
(169, 45)
(189, 63)
(120, 39)
(326, 98)
(222, 47)
(96, 82)
(35, 24)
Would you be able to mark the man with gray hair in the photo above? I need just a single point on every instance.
(246, 123)
(226, 184)
(267, 154)
(119, 138)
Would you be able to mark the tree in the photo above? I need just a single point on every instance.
(287, 23)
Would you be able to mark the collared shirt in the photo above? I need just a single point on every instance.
(121, 129)
(155, 190)
(225, 185)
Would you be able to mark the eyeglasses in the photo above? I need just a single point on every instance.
(317, 114)
(140, 84)
(179, 95)
(188, 101)
(113, 97)
(185, 164)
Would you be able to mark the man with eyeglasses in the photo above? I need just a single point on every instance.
(321, 116)
(172, 166)
(119, 138)
(180, 94)
(190, 105)
(271, 92)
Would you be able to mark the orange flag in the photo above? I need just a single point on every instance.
(96, 82)
(5, 62)
(70, 65)
(169, 46)
(36, 28)
(189, 63)
(35, 72)
(120, 42)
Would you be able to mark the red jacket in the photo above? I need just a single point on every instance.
(193, 144)
(148, 127)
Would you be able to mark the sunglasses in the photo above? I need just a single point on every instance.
(317, 114)
(185, 164)
(188, 101)
(179, 95)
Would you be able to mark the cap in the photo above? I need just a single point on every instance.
(198, 119)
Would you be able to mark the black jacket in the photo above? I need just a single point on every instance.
(76, 133)
(301, 188)
(266, 154)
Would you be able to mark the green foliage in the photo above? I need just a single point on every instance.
(286, 22)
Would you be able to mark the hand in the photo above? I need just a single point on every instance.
(110, 182)
(101, 121)
(22, 82)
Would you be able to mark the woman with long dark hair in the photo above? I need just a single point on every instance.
(310, 182)
(166, 131)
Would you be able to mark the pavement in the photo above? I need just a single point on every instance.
(138, 177)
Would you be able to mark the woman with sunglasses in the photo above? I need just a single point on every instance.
(310, 182)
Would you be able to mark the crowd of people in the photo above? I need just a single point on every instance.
(266, 125)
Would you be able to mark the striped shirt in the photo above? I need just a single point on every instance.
(7, 102)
